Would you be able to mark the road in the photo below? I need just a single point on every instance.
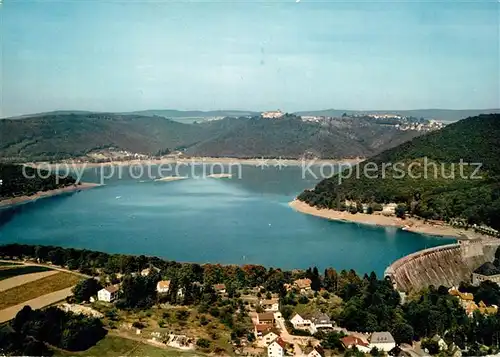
(54, 267)
(296, 341)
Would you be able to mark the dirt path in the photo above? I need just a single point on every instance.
(23, 279)
(54, 267)
(37, 303)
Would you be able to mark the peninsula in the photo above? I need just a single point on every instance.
(431, 178)
(377, 219)
(23, 184)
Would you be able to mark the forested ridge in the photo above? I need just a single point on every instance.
(15, 182)
(443, 193)
(70, 135)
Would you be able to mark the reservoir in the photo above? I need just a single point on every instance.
(240, 220)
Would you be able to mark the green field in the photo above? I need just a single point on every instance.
(23, 270)
(37, 288)
(112, 346)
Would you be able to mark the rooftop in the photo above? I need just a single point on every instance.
(303, 283)
(381, 337)
(112, 288)
(265, 316)
(353, 341)
(164, 284)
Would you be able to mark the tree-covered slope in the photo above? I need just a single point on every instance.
(291, 137)
(19, 181)
(425, 175)
(68, 135)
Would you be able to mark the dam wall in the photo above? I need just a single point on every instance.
(446, 265)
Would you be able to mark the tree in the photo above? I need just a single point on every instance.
(332, 340)
(22, 317)
(85, 289)
(286, 311)
(400, 211)
(402, 333)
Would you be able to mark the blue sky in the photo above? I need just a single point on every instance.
(131, 55)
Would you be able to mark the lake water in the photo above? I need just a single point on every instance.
(240, 221)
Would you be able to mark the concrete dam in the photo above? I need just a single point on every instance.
(447, 265)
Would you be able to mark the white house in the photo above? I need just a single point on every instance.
(300, 323)
(180, 293)
(383, 341)
(163, 286)
(276, 348)
(220, 288)
(271, 305)
(109, 293)
(267, 338)
(147, 271)
(319, 321)
(317, 352)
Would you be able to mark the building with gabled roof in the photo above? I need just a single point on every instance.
(276, 348)
(317, 351)
(163, 286)
(219, 288)
(352, 341)
(266, 318)
(383, 341)
(108, 294)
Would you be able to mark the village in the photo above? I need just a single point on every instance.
(296, 334)
(270, 313)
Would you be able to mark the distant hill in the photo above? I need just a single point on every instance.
(434, 196)
(448, 115)
(61, 136)
(292, 138)
(190, 116)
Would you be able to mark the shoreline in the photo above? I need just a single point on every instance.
(44, 194)
(191, 160)
(409, 224)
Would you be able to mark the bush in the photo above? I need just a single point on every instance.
(303, 299)
(203, 343)
(182, 315)
(138, 324)
(430, 345)
(203, 320)
(214, 311)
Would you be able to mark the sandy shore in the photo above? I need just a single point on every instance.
(171, 178)
(44, 194)
(195, 160)
(219, 176)
(408, 224)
